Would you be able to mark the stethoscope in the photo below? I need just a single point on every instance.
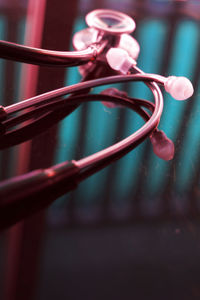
(106, 46)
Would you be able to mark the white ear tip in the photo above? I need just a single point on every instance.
(179, 87)
(119, 60)
(189, 90)
(115, 56)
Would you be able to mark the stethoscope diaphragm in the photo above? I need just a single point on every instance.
(110, 21)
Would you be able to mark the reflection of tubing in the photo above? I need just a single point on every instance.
(24, 195)
(163, 147)
(47, 115)
(148, 127)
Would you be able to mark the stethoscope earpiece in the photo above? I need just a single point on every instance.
(180, 88)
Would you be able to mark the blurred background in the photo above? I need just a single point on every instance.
(131, 231)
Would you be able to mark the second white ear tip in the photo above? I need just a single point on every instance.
(119, 60)
(180, 88)
(115, 57)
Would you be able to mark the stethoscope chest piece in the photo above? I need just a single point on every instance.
(111, 21)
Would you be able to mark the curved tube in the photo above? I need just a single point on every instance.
(78, 87)
(37, 56)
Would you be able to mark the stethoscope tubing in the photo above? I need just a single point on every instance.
(43, 57)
